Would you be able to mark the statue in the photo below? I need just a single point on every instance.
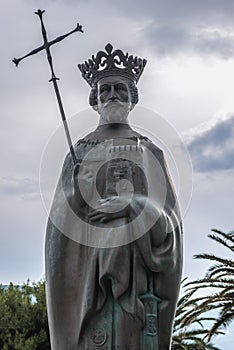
(114, 237)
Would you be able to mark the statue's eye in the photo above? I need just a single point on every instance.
(121, 87)
(104, 88)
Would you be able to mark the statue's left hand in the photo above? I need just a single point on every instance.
(110, 208)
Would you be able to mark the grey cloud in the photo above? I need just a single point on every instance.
(180, 11)
(170, 39)
(18, 186)
(215, 43)
(167, 26)
(179, 26)
(165, 39)
(214, 148)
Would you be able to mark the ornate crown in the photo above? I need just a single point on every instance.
(112, 63)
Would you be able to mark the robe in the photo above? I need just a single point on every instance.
(119, 292)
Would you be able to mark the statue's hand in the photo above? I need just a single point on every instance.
(83, 182)
(110, 208)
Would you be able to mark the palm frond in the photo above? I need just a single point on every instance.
(213, 257)
(195, 323)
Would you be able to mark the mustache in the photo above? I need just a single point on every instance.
(115, 101)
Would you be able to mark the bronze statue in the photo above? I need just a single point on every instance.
(114, 237)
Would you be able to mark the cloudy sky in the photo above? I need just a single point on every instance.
(188, 81)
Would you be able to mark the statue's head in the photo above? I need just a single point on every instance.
(112, 77)
(113, 98)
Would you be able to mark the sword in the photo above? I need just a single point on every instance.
(46, 47)
(149, 337)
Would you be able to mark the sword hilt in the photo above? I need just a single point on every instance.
(150, 330)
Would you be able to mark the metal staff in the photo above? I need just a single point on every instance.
(46, 46)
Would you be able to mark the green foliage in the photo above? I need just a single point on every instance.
(219, 281)
(23, 317)
(195, 325)
(190, 336)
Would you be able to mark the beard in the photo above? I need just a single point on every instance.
(114, 112)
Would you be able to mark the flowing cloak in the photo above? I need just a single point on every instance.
(95, 294)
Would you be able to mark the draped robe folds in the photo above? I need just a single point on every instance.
(94, 295)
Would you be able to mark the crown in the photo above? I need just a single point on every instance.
(112, 63)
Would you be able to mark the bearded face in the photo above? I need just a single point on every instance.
(114, 99)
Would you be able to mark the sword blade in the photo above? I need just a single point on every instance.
(150, 331)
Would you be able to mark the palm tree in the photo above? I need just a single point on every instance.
(190, 336)
(219, 281)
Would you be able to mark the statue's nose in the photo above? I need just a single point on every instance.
(113, 94)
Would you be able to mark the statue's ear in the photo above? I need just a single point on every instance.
(93, 98)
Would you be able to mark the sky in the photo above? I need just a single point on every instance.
(188, 81)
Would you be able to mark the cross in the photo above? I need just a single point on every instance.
(46, 47)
